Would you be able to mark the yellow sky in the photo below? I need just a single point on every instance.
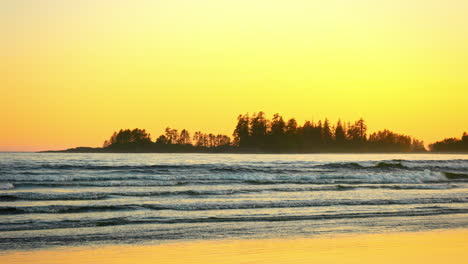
(72, 72)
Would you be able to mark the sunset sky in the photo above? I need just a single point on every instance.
(72, 72)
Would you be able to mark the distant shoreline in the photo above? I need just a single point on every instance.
(103, 151)
(257, 134)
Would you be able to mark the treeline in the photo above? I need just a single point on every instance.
(451, 145)
(259, 133)
(256, 133)
(138, 140)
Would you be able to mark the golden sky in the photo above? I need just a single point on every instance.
(72, 72)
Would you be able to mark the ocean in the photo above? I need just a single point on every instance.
(61, 199)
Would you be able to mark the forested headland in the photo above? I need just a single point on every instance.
(451, 145)
(257, 134)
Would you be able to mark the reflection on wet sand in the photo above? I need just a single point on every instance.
(419, 247)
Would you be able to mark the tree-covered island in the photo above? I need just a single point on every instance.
(257, 134)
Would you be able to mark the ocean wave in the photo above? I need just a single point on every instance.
(32, 196)
(273, 168)
(390, 165)
(391, 171)
(314, 217)
(57, 184)
(277, 218)
(58, 209)
(341, 165)
(382, 165)
(417, 177)
(398, 165)
(52, 209)
(268, 167)
(53, 166)
(456, 176)
(114, 221)
(6, 186)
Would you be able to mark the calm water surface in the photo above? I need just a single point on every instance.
(87, 199)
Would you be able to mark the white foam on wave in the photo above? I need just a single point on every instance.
(442, 164)
(6, 186)
(415, 177)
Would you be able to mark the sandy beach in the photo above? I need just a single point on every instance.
(448, 246)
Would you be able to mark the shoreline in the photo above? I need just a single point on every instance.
(408, 247)
(247, 153)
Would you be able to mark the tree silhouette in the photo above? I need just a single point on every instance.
(241, 132)
(184, 138)
(258, 129)
(326, 132)
(259, 134)
(340, 134)
(357, 131)
(451, 144)
(172, 135)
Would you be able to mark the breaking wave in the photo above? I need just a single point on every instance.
(78, 196)
(221, 206)
(106, 197)
(421, 211)
(6, 186)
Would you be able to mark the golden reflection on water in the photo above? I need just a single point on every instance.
(422, 247)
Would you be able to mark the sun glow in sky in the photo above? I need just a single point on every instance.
(72, 72)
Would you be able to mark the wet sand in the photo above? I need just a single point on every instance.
(447, 246)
